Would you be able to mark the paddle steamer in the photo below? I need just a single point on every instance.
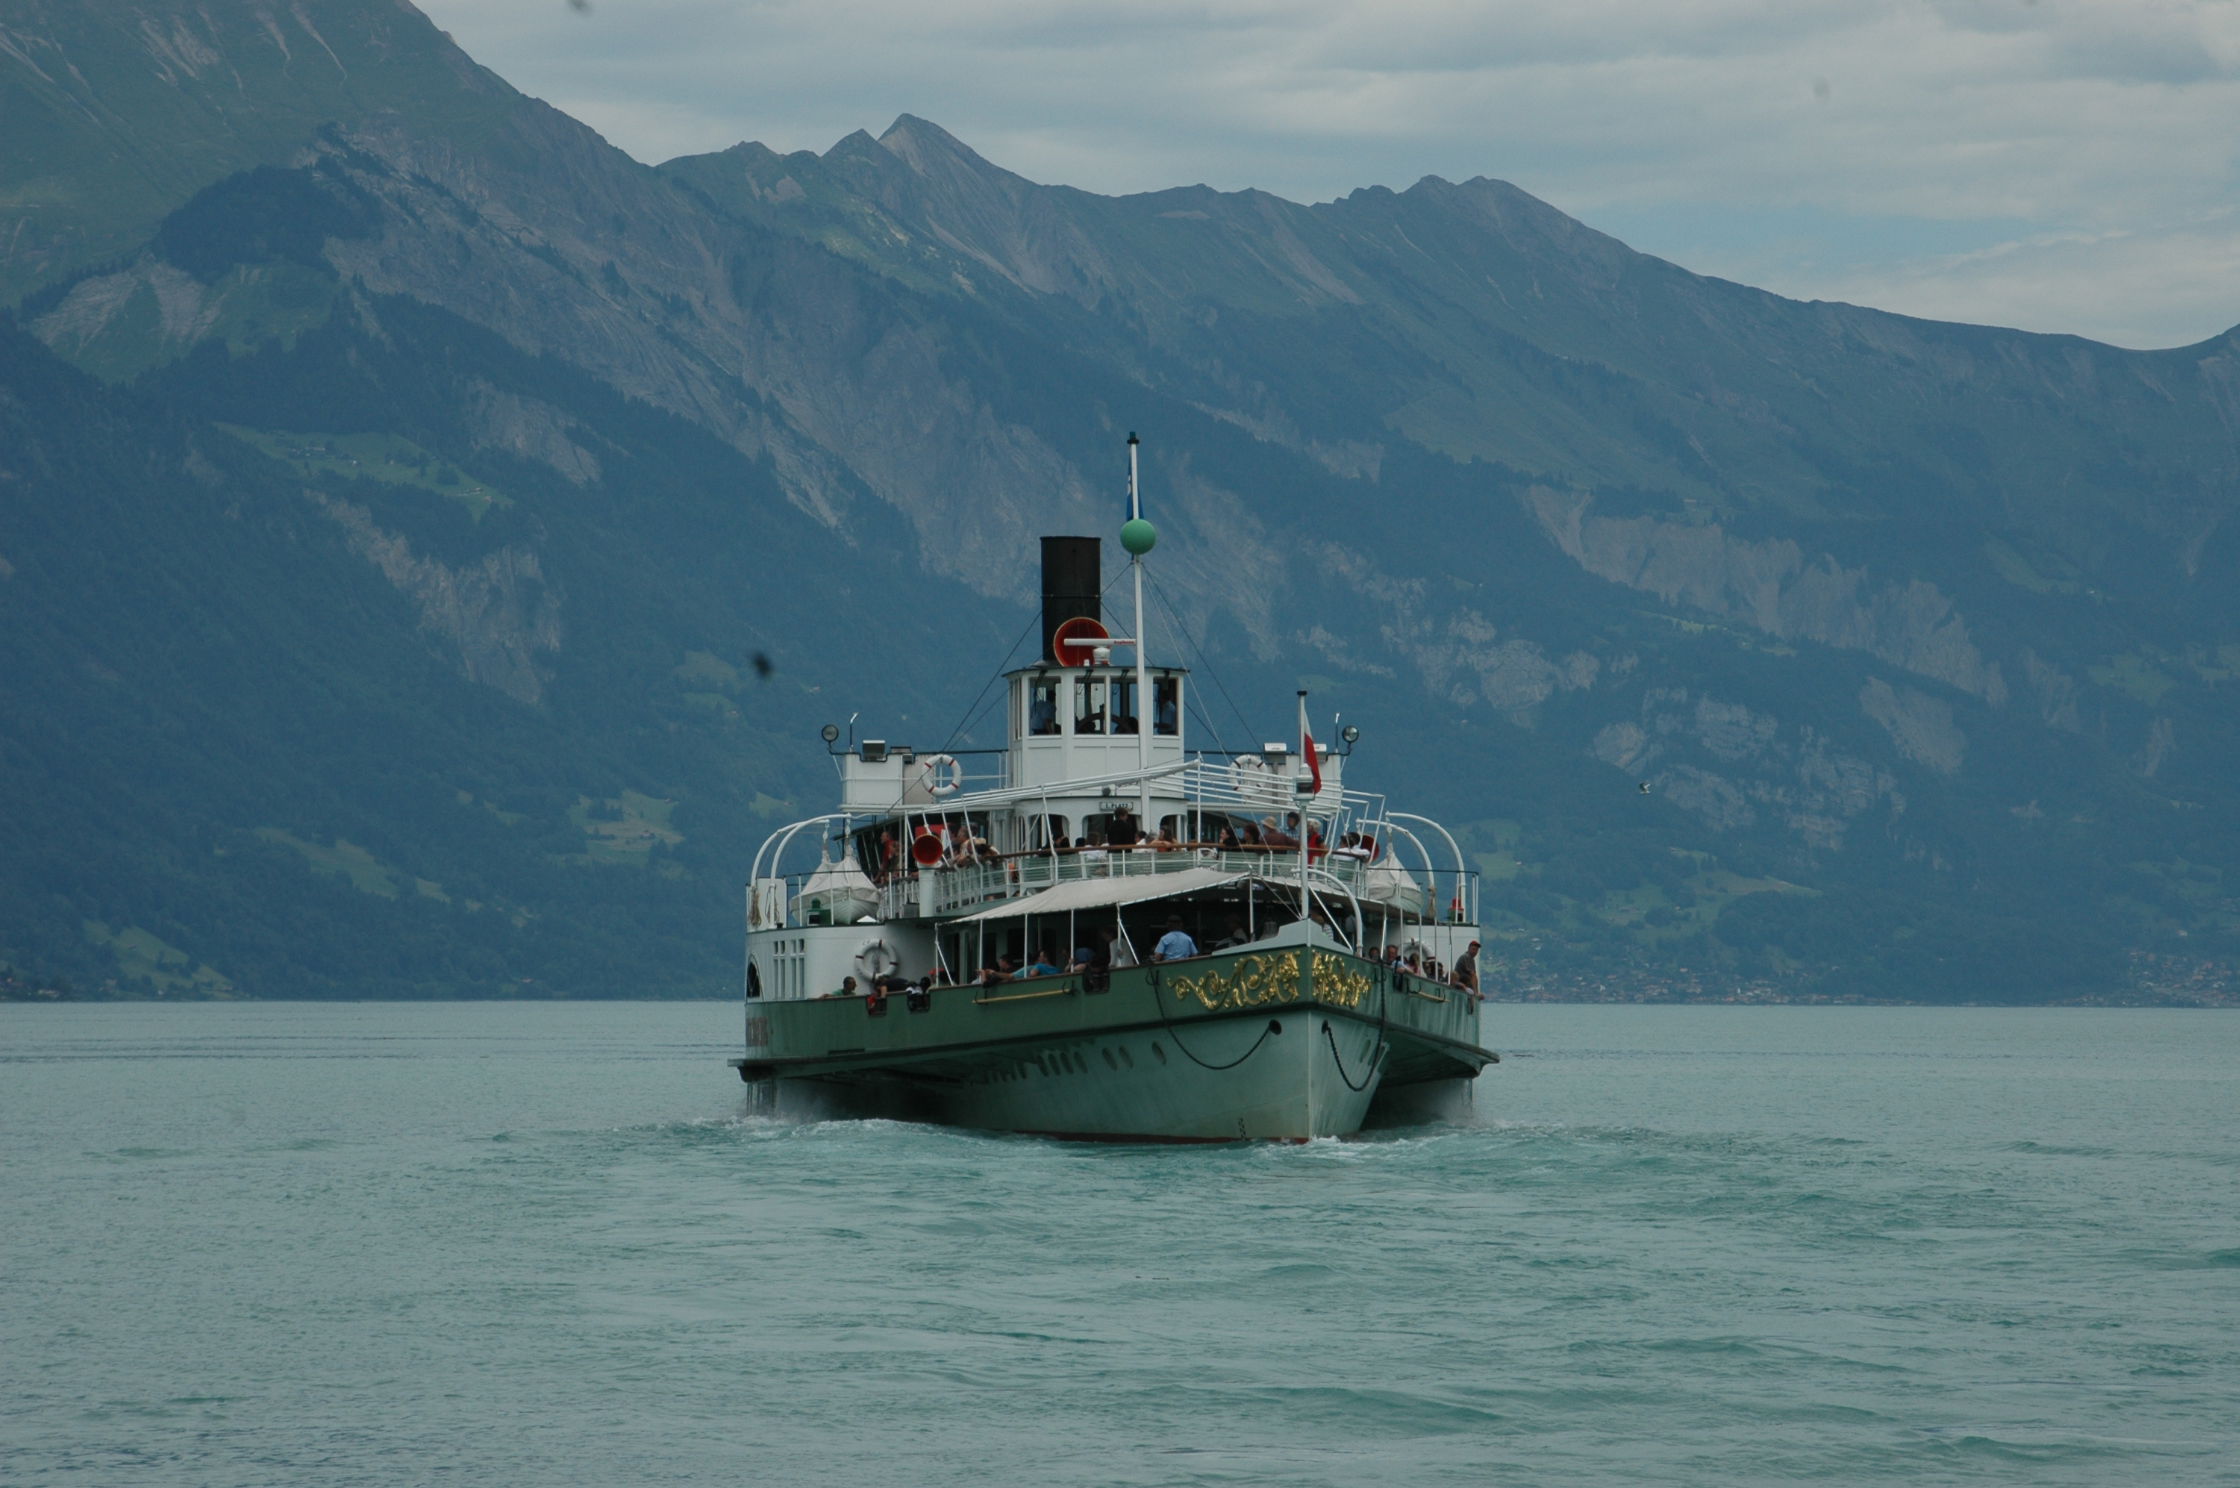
(980, 946)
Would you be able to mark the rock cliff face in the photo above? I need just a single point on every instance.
(499, 613)
(1775, 586)
(1874, 606)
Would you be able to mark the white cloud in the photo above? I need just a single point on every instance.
(2074, 126)
(2194, 269)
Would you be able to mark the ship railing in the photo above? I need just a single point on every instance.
(786, 902)
(1246, 785)
(1401, 841)
(1397, 871)
(945, 892)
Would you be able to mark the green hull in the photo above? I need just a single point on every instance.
(1272, 1042)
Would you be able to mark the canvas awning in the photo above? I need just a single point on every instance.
(1098, 893)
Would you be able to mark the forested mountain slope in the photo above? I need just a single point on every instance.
(400, 484)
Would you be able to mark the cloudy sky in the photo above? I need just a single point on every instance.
(2060, 165)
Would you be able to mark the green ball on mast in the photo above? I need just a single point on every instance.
(1138, 536)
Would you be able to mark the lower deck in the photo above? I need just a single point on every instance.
(1267, 1042)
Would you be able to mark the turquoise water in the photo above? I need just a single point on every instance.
(530, 1244)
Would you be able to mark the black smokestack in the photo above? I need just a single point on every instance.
(1072, 578)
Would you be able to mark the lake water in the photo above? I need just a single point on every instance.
(539, 1244)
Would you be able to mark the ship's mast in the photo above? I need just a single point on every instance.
(1305, 801)
(1138, 536)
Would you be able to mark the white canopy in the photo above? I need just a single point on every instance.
(1094, 893)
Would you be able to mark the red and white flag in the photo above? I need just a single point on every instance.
(1306, 746)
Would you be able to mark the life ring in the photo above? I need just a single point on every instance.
(876, 959)
(942, 774)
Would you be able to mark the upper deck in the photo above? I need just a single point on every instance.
(1066, 722)
(1096, 779)
(960, 855)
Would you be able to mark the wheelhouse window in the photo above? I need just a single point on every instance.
(1089, 707)
(1042, 705)
(1124, 705)
(1166, 706)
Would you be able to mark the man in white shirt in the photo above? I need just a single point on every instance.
(1118, 952)
(1176, 944)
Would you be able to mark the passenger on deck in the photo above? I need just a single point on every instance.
(1391, 957)
(1230, 841)
(1274, 835)
(1238, 935)
(1163, 840)
(1092, 850)
(847, 988)
(1250, 832)
(1004, 970)
(1176, 944)
(1122, 829)
(1116, 951)
(1091, 956)
(1465, 975)
(1040, 965)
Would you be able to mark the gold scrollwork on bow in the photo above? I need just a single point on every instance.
(1333, 982)
(1255, 981)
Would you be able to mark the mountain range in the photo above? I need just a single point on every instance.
(430, 540)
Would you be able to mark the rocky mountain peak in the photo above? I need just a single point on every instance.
(929, 148)
(117, 113)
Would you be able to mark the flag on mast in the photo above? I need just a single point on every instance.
(1306, 746)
